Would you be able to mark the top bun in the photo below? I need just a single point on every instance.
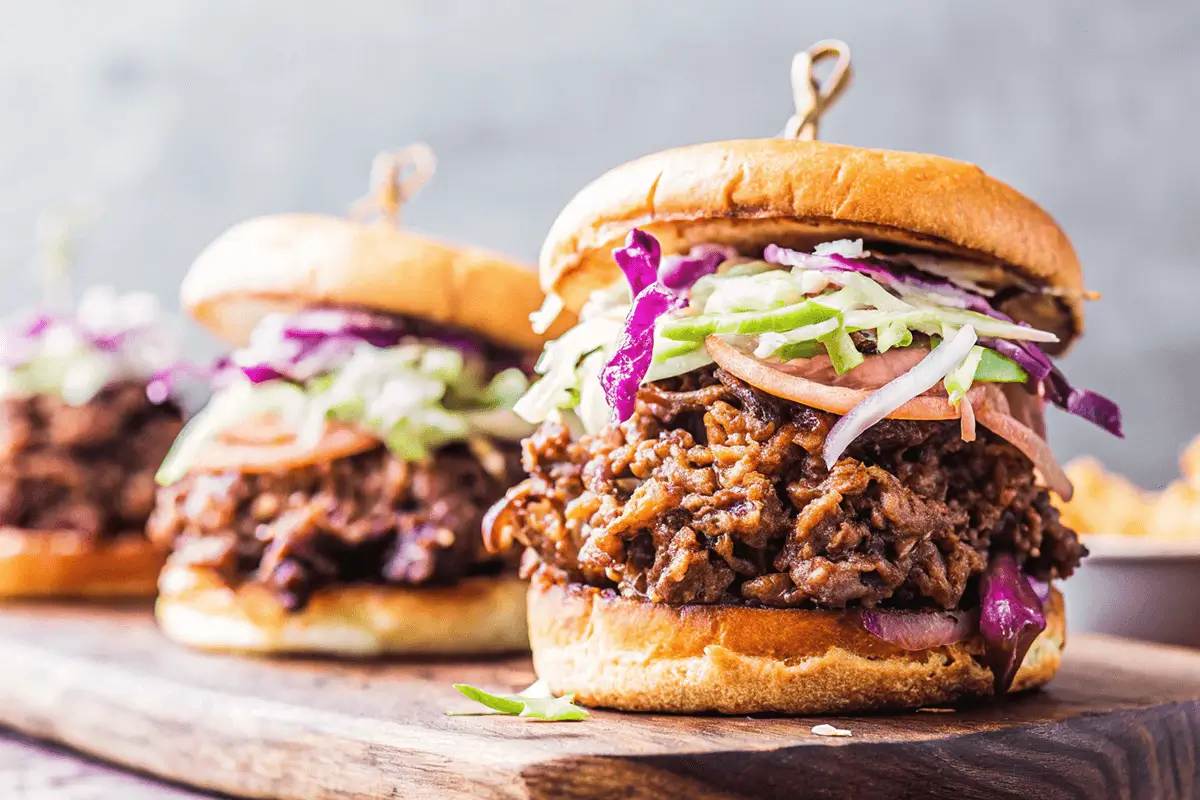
(293, 261)
(754, 192)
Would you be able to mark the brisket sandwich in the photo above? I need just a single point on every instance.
(85, 419)
(329, 498)
(813, 473)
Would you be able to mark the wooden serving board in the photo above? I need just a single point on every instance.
(1121, 720)
(36, 771)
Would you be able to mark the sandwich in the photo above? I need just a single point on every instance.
(792, 457)
(329, 498)
(86, 415)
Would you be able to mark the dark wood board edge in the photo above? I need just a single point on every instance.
(1140, 754)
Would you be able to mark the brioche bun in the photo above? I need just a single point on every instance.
(754, 192)
(478, 615)
(294, 261)
(633, 655)
(68, 564)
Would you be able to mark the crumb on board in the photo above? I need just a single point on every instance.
(937, 710)
(829, 730)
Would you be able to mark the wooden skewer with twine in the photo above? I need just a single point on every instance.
(396, 177)
(812, 96)
(56, 234)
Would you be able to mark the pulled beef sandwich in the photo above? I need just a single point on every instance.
(86, 417)
(814, 475)
(329, 497)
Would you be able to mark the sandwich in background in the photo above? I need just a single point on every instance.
(329, 498)
(86, 416)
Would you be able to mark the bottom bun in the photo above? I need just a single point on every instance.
(478, 615)
(67, 564)
(634, 655)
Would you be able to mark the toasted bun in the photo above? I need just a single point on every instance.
(67, 564)
(633, 655)
(479, 615)
(293, 261)
(754, 192)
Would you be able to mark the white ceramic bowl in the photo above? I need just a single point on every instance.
(1140, 587)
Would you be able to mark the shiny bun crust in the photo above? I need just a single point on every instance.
(293, 261)
(754, 192)
(479, 615)
(65, 564)
(632, 655)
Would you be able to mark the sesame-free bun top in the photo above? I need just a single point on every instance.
(289, 262)
(754, 192)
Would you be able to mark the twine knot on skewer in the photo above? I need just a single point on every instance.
(812, 96)
(396, 176)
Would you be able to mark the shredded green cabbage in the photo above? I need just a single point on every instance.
(66, 366)
(958, 381)
(415, 397)
(778, 313)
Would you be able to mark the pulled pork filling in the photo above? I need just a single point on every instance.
(368, 518)
(87, 469)
(715, 492)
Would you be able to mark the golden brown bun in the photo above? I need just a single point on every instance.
(479, 615)
(293, 261)
(639, 656)
(754, 192)
(67, 564)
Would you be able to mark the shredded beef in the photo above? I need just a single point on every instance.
(88, 469)
(715, 492)
(366, 518)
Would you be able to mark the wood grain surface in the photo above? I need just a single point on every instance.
(1122, 720)
(32, 770)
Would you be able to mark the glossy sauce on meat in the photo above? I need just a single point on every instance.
(370, 518)
(714, 492)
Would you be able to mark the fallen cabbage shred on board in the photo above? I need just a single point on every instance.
(414, 394)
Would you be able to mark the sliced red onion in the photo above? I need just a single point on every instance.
(886, 399)
(1010, 618)
(921, 630)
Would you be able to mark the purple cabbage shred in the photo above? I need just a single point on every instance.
(654, 295)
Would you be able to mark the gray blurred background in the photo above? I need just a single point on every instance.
(178, 118)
